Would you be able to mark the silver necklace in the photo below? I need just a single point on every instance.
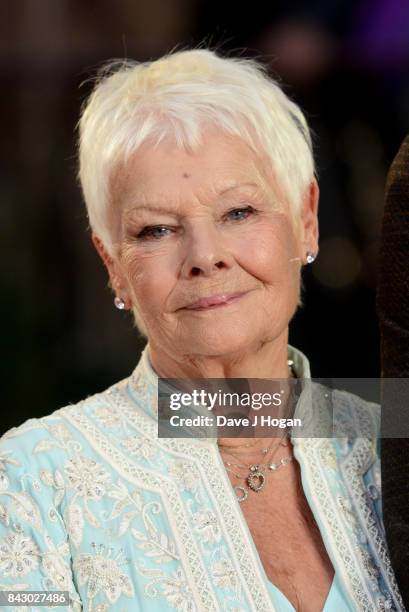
(256, 477)
(257, 473)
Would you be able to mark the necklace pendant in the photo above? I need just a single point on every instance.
(243, 494)
(256, 478)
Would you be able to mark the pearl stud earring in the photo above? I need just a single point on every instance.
(310, 257)
(119, 303)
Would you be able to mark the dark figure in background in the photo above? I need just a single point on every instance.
(393, 312)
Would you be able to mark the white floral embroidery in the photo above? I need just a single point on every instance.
(102, 573)
(47, 478)
(182, 472)
(87, 477)
(45, 445)
(4, 515)
(18, 555)
(74, 521)
(27, 509)
(107, 417)
(5, 458)
(154, 542)
(178, 593)
(328, 455)
(224, 574)
(124, 498)
(141, 447)
(207, 526)
(56, 481)
(4, 482)
(60, 431)
(57, 570)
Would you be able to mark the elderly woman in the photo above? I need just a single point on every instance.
(198, 176)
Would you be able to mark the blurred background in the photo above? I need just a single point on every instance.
(345, 63)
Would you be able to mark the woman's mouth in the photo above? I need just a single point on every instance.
(215, 301)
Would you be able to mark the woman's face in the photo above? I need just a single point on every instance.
(212, 223)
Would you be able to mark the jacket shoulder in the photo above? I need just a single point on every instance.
(354, 415)
(47, 434)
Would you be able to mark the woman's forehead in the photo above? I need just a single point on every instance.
(216, 168)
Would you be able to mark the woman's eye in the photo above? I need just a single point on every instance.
(156, 232)
(238, 214)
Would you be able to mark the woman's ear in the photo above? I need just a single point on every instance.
(116, 280)
(309, 218)
(105, 256)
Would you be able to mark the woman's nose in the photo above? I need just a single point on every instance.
(206, 252)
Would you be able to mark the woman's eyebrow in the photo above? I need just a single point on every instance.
(150, 208)
(237, 186)
(163, 209)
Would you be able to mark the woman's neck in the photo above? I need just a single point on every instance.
(266, 359)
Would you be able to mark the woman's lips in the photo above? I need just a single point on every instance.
(215, 301)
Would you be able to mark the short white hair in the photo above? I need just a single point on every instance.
(178, 95)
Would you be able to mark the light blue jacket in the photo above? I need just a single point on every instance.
(93, 503)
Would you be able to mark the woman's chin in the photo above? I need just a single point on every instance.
(219, 341)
